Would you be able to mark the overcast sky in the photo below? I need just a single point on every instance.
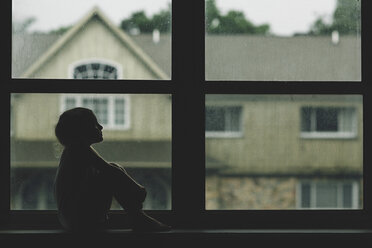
(285, 16)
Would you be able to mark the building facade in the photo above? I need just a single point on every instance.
(262, 151)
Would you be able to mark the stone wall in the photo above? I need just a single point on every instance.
(252, 192)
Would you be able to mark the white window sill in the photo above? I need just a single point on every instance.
(115, 128)
(328, 135)
(223, 134)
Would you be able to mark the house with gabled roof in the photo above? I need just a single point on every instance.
(83, 44)
(262, 151)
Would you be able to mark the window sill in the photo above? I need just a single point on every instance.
(225, 135)
(189, 237)
(328, 135)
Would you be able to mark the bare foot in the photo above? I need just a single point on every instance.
(144, 223)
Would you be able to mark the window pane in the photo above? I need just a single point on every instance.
(326, 195)
(265, 165)
(143, 147)
(215, 119)
(98, 106)
(347, 195)
(305, 195)
(306, 119)
(287, 40)
(326, 119)
(119, 111)
(94, 39)
(70, 103)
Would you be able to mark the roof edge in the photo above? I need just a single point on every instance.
(148, 62)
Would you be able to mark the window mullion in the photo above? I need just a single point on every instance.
(188, 111)
(5, 161)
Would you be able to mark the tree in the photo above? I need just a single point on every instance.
(347, 17)
(212, 16)
(60, 30)
(346, 20)
(139, 20)
(23, 26)
(162, 21)
(234, 22)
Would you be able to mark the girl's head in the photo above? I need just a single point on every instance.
(78, 126)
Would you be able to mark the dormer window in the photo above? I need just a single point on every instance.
(95, 69)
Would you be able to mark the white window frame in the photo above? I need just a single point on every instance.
(117, 66)
(339, 183)
(111, 98)
(331, 135)
(227, 134)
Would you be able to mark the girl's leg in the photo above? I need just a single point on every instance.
(129, 193)
(130, 196)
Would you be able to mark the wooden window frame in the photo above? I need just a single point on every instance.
(188, 89)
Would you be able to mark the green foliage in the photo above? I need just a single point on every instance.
(60, 31)
(139, 20)
(346, 20)
(23, 26)
(234, 22)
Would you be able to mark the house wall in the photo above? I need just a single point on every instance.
(35, 115)
(271, 141)
(94, 40)
(250, 192)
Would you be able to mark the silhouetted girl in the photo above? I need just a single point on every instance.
(85, 183)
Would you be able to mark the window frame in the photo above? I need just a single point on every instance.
(313, 191)
(111, 99)
(227, 134)
(315, 134)
(188, 103)
(117, 66)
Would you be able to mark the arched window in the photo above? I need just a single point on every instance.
(95, 69)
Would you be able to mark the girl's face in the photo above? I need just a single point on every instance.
(93, 131)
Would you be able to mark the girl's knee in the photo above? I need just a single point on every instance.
(142, 193)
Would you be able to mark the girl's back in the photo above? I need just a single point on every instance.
(79, 188)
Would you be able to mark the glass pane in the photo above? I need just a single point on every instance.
(119, 111)
(326, 195)
(305, 195)
(215, 120)
(347, 195)
(272, 165)
(326, 119)
(91, 39)
(142, 145)
(287, 40)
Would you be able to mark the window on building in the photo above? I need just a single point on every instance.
(95, 70)
(328, 194)
(112, 111)
(328, 122)
(223, 121)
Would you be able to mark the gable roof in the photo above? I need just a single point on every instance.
(233, 57)
(124, 38)
(302, 58)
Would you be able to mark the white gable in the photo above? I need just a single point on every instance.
(94, 38)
